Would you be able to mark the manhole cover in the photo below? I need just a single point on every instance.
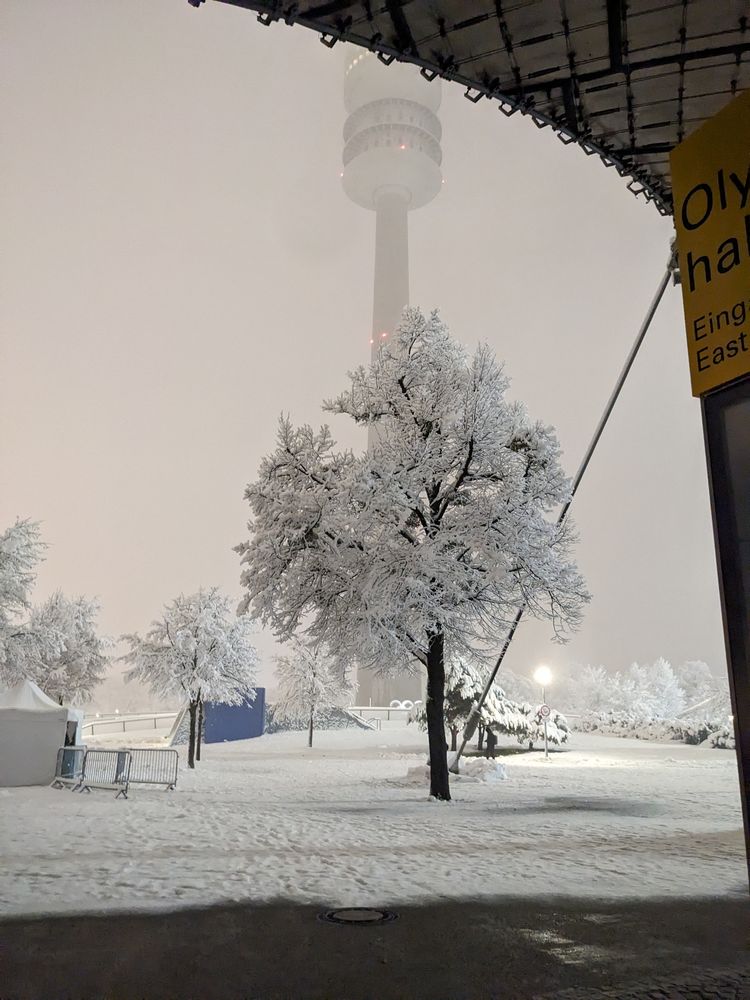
(362, 915)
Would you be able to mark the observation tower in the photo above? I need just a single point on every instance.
(392, 159)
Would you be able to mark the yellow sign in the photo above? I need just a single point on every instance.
(711, 185)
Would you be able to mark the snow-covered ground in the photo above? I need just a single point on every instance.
(347, 823)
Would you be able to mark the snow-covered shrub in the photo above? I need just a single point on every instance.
(658, 730)
(558, 729)
(463, 689)
(722, 739)
(691, 733)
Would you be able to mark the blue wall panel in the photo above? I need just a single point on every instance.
(235, 722)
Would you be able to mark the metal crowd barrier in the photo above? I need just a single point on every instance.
(154, 767)
(69, 766)
(106, 769)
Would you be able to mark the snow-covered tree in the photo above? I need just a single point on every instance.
(200, 650)
(558, 729)
(706, 694)
(71, 658)
(430, 541)
(310, 684)
(593, 689)
(21, 550)
(464, 683)
(652, 691)
(463, 689)
(518, 688)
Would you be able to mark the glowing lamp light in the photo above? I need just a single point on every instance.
(543, 676)
(371, 340)
(402, 146)
(384, 334)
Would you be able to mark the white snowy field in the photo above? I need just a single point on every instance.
(343, 824)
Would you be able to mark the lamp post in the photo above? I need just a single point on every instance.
(543, 677)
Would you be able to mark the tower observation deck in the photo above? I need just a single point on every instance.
(392, 159)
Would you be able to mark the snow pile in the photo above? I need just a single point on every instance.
(481, 769)
(416, 777)
(471, 769)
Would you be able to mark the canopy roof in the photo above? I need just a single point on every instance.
(625, 79)
(27, 697)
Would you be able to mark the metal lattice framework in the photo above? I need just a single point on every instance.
(624, 79)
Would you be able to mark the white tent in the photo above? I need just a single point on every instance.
(32, 728)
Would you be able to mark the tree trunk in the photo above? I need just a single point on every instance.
(454, 737)
(439, 782)
(310, 731)
(200, 731)
(191, 739)
(480, 736)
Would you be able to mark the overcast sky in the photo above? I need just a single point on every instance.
(181, 265)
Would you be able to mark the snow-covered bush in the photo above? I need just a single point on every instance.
(722, 739)
(658, 730)
(464, 685)
(558, 729)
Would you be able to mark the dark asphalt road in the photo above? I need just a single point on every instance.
(510, 948)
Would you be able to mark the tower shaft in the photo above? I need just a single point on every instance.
(391, 285)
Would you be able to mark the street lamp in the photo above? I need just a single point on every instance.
(543, 677)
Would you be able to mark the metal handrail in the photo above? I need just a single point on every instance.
(120, 721)
(361, 709)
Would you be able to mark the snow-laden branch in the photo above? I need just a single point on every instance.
(444, 523)
(198, 650)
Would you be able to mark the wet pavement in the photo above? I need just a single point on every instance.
(517, 949)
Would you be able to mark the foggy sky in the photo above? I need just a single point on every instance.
(182, 265)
